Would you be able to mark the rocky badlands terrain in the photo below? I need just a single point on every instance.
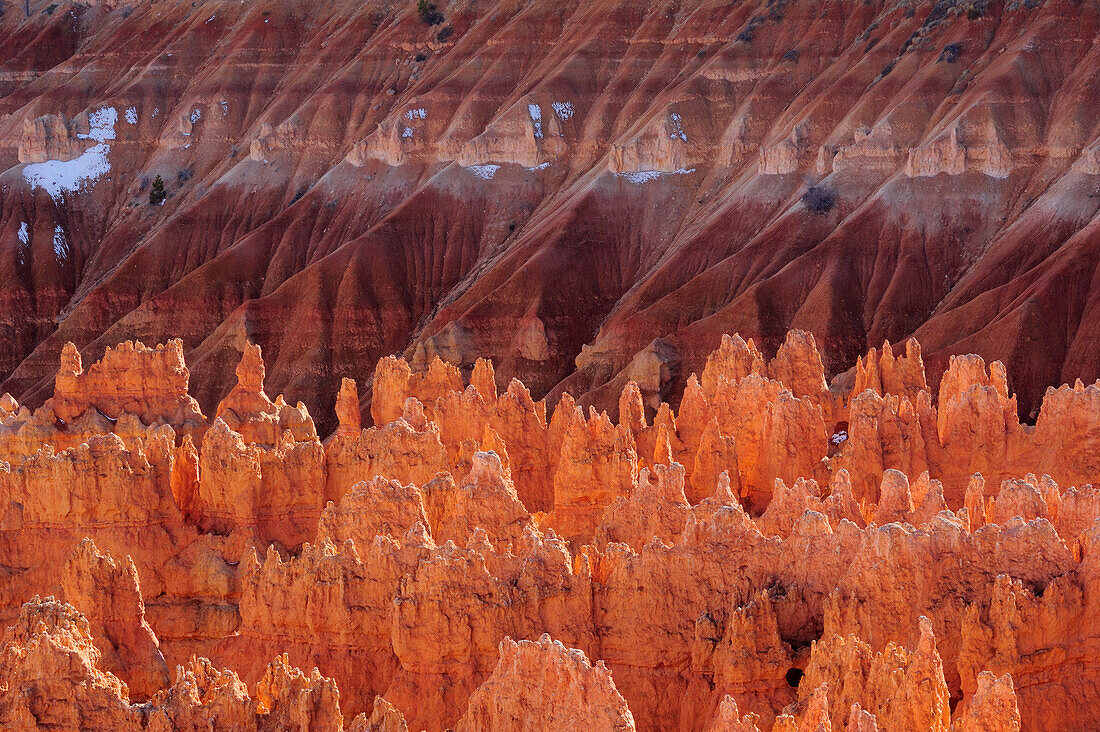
(587, 191)
(772, 555)
(569, 501)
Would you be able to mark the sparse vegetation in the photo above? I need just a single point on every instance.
(444, 34)
(750, 29)
(909, 42)
(792, 55)
(428, 12)
(867, 32)
(950, 53)
(157, 194)
(818, 199)
(184, 175)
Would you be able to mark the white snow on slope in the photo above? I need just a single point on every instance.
(60, 246)
(645, 176)
(57, 177)
(485, 172)
(677, 127)
(536, 118)
(564, 110)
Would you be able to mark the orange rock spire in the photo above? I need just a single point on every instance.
(723, 567)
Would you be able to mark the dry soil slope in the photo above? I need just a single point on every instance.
(553, 184)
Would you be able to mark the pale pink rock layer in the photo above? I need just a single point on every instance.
(773, 554)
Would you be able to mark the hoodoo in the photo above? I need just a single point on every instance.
(477, 564)
(657, 365)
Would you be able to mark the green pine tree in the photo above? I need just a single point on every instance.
(157, 194)
(428, 12)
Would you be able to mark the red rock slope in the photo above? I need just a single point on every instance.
(589, 192)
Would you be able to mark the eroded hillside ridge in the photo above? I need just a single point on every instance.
(772, 555)
(588, 192)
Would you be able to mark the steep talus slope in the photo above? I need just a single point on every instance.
(586, 191)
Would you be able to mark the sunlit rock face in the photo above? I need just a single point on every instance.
(549, 366)
(477, 561)
(587, 193)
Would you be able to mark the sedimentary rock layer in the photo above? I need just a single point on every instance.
(773, 555)
(589, 193)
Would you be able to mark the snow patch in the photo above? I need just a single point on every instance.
(536, 118)
(677, 127)
(156, 111)
(60, 246)
(641, 176)
(564, 110)
(839, 437)
(540, 166)
(210, 18)
(68, 176)
(225, 107)
(645, 176)
(101, 125)
(131, 115)
(413, 114)
(196, 115)
(24, 244)
(486, 172)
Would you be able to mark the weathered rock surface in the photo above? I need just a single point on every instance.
(721, 566)
(52, 680)
(108, 592)
(542, 685)
(346, 181)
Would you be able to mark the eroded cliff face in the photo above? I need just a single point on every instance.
(590, 193)
(773, 555)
